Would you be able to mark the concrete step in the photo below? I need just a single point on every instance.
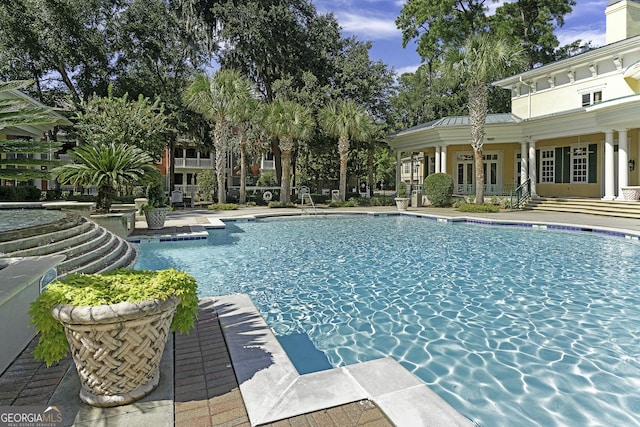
(47, 234)
(614, 208)
(59, 243)
(88, 247)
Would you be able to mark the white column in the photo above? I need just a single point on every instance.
(398, 168)
(524, 164)
(609, 188)
(532, 168)
(623, 162)
(443, 159)
(437, 159)
(637, 159)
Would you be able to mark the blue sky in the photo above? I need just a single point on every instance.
(375, 20)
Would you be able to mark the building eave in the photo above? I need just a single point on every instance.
(610, 51)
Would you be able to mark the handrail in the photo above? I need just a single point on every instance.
(521, 194)
(303, 190)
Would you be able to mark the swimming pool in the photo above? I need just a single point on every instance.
(510, 325)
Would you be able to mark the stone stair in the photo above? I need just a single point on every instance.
(615, 208)
(88, 248)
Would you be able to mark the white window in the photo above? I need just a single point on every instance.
(547, 165)
(591, 98)
(406, 167)
(579, 164)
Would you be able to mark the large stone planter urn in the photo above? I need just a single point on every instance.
(117, 348)
(155, 217)
(402, 203)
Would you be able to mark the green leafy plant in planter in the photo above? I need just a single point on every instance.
(155, 212)
(126, 312)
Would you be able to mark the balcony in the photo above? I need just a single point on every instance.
(197, 163)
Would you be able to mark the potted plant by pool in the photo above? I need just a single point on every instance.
(116, 325)
(155, 212)
(402, 201)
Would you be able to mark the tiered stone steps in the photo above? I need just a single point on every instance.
(616, 208)
(88, 248)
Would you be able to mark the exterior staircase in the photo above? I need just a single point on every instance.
(88, 248)
(615, 208)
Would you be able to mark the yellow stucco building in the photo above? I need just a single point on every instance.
(573, 130)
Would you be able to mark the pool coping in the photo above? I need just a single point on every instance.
(272, 388)
(200, 231)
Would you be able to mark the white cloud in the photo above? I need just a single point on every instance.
(407, 69)
(596, 36)
(367, 27)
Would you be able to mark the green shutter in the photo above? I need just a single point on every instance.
(593, 163)
(557, 164)
(566, 164)
(538, 166)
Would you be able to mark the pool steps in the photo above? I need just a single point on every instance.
(615, 208)
(272, 388)
(87, 247)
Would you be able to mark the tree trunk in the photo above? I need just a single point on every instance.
(343, 150)
(285, 181)
(477, 119)
(172, 161)
(243, 171)
(220, 160)
(277, 158)
(370, 178)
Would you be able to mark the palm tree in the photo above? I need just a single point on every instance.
(109, 167)
(482, 59)
(216, 99)
(244, 119)
(289, 122)
(345, 120)
(18, 112)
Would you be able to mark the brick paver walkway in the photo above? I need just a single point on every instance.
(28, 381)
(207, 393)
(206, 389)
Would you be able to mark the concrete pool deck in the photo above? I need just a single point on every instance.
(231, 370)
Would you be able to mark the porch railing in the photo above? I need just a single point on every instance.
(489, 189)
(521, 195)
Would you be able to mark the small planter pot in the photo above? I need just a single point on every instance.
(155, 217)
(402, 203)
(631, 193)
(117, 348)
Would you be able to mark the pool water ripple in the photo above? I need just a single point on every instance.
(511, 325)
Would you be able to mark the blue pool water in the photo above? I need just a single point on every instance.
(512, 326)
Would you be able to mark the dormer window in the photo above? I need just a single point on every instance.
(591, 98)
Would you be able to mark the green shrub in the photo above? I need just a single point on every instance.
(351, 203)
(129, 200)
(472, 207)
(222, 207)
(282, 205)
(114, 287)
(20, 193)
(267, 179)
(402, 189)
(439, 189)
(156, 195)
(382, 201)
(81, 198)
(55, 194)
